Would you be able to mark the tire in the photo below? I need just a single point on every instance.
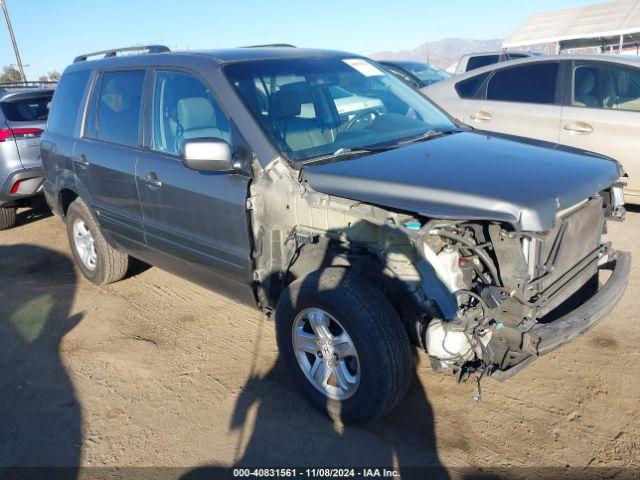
(7, 218)
(110, 265)
(377, 333)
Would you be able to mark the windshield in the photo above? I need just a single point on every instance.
(316, 107)
(426, 73)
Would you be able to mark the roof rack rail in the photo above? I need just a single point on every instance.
(270, 45)
(114, 51)
(28, 84)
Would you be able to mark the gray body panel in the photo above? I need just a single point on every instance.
(471, 175)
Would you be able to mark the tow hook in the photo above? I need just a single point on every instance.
(478, 378)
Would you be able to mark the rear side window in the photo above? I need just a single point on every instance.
(533, 83)
(28, 109)
(66, 102)
(481, 61)
(469, 87)
(118, 107)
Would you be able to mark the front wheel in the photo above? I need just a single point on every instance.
(344, 344)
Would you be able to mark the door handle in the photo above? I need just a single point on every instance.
(481, 116)
(578, 128)
(152, 180)
(81, 160)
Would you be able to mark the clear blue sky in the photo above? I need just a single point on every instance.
(51, 32)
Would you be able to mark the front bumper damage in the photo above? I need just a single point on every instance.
(542, 339)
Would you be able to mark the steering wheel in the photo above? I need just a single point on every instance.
(358, 117)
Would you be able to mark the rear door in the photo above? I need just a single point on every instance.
(602, 114)
(26, 118)
(520, 100)
(196, 223)
(105, 158)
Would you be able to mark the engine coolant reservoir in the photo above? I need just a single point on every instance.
(450, 347)
(450, 273)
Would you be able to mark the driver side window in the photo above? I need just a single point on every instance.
(184, 108)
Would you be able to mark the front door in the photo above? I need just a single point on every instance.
(196, 223)
(603, 115)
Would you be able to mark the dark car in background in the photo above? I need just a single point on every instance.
(23, 117)
(415, 74)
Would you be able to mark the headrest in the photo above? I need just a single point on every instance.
(586, 81)
(196, 112)
(287, 103)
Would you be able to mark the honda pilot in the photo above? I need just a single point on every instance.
(362, 234)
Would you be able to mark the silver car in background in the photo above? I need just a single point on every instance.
(591, 102)
(23, 117)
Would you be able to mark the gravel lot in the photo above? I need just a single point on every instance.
(155, 371)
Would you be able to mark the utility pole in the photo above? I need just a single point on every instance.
(13, 39)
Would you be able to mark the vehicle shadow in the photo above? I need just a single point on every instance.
(39, 412)
(277, 428)
(40, 210)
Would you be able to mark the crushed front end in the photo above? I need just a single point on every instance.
(507, 297)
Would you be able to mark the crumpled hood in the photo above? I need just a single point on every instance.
(470, 175)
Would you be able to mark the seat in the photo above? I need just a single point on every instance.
(196, 119)
(298, 133)
(585, 83)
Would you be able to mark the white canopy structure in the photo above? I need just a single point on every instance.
(604, 25)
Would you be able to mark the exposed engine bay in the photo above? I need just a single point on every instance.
(476, 296)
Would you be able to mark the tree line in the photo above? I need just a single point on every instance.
(10, 74)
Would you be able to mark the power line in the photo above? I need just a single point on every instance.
(13, 39)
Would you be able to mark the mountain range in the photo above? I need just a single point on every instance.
(442, 53)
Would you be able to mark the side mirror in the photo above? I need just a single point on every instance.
(207, 155)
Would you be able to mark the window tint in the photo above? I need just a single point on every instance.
(469, 87)
(118, 111)
(481, 61)
(27, 109)
(66, 102)
(606, 86)
(535, 83)
(184, 108)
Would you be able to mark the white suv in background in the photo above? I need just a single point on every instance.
(591, 102)
(473, 61)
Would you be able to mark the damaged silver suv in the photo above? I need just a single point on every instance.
(320, 189)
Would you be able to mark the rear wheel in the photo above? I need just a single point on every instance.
(98, 261)
(7, 217)
(344, 344)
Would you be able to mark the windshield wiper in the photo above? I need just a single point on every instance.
(342, 153)
(428, 135)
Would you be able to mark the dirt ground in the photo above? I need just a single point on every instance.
(155, 371)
